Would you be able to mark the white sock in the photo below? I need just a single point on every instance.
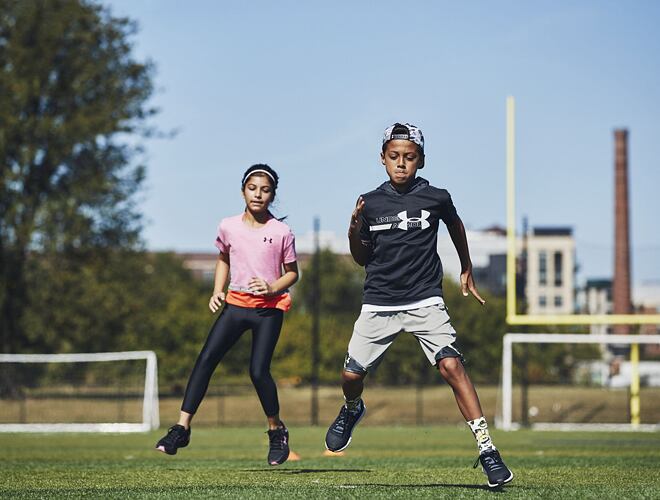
(479, 428)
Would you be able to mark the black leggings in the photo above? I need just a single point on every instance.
(265, 324)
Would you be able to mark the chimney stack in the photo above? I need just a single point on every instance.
(621, 286)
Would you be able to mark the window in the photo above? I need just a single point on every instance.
(558, 301)
(543, 268)
(558, 268)
(542, 301)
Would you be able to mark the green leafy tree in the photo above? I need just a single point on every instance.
(340, 300)
(119, 300)
(70, 92)
(341, 284)
(480, 330)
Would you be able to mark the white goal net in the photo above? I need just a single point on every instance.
(82, 392)
(580, 382)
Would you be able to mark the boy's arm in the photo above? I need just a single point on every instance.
(360, 252)
(457, 233)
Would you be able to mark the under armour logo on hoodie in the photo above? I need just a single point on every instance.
(402, 221)
(268, 240)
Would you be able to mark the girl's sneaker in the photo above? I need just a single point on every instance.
(278, 451)
(177, 437)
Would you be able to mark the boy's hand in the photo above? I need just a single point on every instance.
(216, 301)
(467, 285)
(356, 219)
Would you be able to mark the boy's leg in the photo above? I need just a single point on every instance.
(340, 432)
(452, 370)
(352, 386)
(432, 327)
(374, 332)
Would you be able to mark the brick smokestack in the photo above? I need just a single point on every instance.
(621, 287)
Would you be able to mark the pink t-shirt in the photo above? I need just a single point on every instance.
(255, 252)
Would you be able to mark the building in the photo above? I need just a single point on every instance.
(550, 266)
(488, 254)
(546, 271)
(596, 298)
(201, 265)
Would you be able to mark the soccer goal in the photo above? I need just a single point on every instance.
(580, 382)
(82, 392)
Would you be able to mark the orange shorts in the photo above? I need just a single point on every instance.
(243, 299)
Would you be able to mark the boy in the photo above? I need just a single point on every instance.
(393, 233)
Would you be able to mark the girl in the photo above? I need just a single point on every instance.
(257, 246)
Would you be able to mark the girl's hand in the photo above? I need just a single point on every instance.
(216, 301)
(259, 286)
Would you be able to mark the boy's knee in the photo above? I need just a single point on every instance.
(450, 367)
(348, 376)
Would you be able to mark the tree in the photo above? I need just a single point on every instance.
(70, 92)
(341, 284)
(340, 301)
(119, 300)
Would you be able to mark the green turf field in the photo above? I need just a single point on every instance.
(382, 462)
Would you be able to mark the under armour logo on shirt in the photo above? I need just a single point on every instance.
(268, 240)
(410, 222)
(402, 221)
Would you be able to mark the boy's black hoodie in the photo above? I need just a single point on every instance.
(402, 230)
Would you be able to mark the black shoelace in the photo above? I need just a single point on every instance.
(173, 435)
(491, 461)
(277, 439)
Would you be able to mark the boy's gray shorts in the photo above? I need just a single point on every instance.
(374, 332)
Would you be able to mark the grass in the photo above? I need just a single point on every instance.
(382, 462)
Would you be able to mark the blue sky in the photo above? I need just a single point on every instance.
(308, 87)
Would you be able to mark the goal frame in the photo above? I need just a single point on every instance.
(150, 413)
(505, 421)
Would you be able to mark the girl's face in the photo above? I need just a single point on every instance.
(258, 193)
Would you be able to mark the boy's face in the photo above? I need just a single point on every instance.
(401, 159)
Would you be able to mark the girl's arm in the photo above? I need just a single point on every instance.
(220, 282)
(259, 286)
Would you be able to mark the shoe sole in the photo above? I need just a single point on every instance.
(280, 463)
(497, 485)
(162, 449)
(349, 437)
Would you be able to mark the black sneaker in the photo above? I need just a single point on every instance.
(177, 437)
(491, 463)
(278, 451)
(340, 433)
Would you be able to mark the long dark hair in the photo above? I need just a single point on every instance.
(263, 170)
